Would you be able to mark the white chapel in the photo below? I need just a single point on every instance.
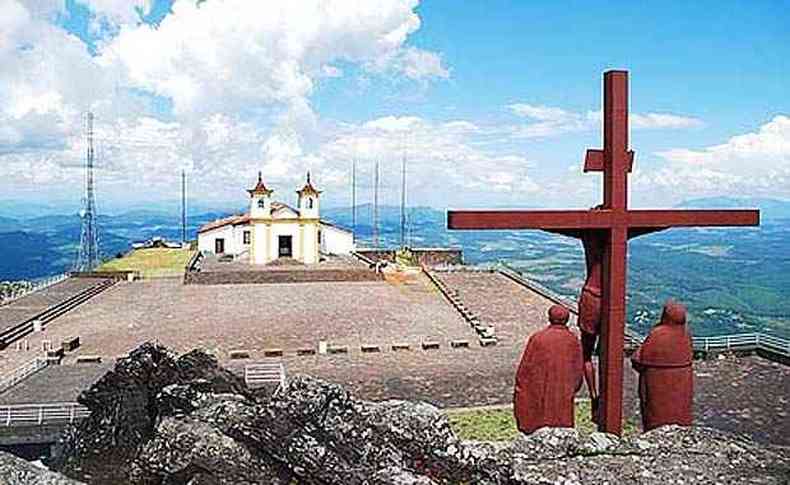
(273, 230)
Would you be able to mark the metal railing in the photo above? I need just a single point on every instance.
(39, 285)
(22, 372)
(193, 261)
(256, 375)
(26, 327)
(719, 343)
(363, 258)
(743, 342)
(552, 295)
(632, 339)
(42, 414)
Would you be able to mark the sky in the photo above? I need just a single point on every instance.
(491, 104)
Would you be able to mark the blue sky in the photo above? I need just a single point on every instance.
(491, 103)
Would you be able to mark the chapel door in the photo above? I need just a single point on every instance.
(219, 246)
(286, 247)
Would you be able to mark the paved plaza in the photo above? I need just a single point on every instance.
(738, 394)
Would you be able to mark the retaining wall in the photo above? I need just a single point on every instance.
(424, 256)
(118, 275)
(273, 277)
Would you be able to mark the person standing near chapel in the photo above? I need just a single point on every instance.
(549, 376)
(666, 377)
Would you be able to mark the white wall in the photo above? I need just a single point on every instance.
(206, 240)
(333, 240)
(260, 239)
(310, 248)
(233, 236)
(336, 241)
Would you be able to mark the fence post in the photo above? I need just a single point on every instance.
(8, 416)
(71, 413)
(40, 414)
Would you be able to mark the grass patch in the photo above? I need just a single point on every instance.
(500, 425)
(152, 262)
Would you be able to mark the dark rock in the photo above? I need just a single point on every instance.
(127, 403)
(157, 419)
(184, 449)
(671, 454)
(397, 476)
(16, 471)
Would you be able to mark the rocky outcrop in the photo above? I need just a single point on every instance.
(129, 402)
(671, 454)
(158, 419)
(16, 471)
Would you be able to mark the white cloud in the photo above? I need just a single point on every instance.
(552, 121)
(47, 79)
(445, 166)
(227, 55)
(419, 64)
(663, 120)
(239, 74)
(755, 163)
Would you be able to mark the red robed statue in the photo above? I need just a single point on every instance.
(666, 378)
(549, 376)
(605, 232)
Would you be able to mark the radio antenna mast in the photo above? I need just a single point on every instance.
(403, 202)
(183, 207)
(376, 207)
(88, 252)
(354, 201)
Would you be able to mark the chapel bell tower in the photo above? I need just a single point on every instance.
(260, 200)
(308, 200)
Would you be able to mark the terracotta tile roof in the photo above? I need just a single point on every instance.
(308, 188)
(260, 188)
(225, 221)
(279, 205)
(336, 226)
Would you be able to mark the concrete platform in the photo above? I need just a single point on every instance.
(214, 271)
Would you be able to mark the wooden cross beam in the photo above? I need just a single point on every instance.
(619, 223)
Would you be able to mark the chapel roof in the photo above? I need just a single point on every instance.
(279, 205)
(234, 220)
(308, 188)
(260, 188)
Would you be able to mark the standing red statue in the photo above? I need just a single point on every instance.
(549, 376)
(612, 226)
(666, 378)
(590, 309)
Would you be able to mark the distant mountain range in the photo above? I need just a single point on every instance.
(770, 209)
(732, 279)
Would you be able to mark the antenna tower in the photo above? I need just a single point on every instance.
(88, 252)
(403, 202)
(376, 207)
(354, 201)
(183, 206)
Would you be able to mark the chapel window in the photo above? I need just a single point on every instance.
(261, 203)
(310, 203)
(246, 237)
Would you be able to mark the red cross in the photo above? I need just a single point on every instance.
(619, 223)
